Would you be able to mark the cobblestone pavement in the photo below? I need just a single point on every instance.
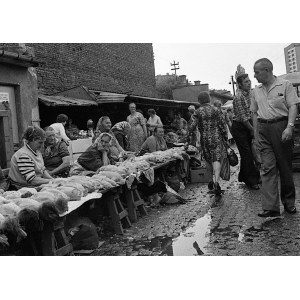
(206, 226)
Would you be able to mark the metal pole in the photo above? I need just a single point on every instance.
(233, 83)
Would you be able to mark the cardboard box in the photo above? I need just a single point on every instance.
(199, 175)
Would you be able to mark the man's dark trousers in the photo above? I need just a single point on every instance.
(276, 159)
(248, 171)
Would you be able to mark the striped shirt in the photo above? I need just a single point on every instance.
(26, 164)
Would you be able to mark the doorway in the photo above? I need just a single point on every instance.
(7, 93)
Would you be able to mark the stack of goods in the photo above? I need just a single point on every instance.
(162, 156)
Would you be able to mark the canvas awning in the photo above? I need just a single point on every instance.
(107, 97)
(65, 101)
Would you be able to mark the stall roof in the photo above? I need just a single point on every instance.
(65, 101)
(158, 101)
(107, 97)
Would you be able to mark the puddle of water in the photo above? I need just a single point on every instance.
(241, 236)
(194, 240)
(189, 243)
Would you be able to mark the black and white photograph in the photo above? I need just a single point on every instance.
(180, 142)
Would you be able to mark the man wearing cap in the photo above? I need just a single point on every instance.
(274, 107)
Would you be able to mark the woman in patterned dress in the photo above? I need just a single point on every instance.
(213, 137)
(138, 131)
(218, 104)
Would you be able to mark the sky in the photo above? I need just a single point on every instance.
(214, 63)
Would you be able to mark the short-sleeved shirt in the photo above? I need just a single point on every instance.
(53, 158)
(276, 102)
(153, 122)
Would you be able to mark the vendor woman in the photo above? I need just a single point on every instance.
(155, 142)
(104, 125)
(27, 167)
(56, 155)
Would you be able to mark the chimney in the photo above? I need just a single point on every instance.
(197, 82)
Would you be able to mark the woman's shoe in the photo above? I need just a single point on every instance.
(217, 187)
(290, 211)
(269, 213)
(210, 185)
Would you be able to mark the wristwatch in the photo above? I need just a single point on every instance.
(291, 125)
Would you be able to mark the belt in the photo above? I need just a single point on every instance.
(272, 120)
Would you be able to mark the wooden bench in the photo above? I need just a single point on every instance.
(134, 202)
(54, 240)
(117, 211)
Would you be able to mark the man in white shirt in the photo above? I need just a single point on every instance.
(274, 107)
(59, 128)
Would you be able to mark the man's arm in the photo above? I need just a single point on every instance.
(288, 132)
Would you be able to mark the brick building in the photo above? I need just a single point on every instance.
(114, 67)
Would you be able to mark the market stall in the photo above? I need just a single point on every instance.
(52, 202)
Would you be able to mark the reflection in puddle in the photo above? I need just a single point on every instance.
(194, 240)
(190, 242)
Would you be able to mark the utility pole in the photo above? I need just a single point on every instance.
(233, 84)
(174, 65)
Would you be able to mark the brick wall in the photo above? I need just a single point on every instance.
(120, 68)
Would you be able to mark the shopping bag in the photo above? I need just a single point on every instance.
(225, 169)
(232, 157)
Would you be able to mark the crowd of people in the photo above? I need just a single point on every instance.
(261, 123)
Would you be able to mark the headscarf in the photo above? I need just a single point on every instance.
(100, 128)
(97, 142)
(122, 127)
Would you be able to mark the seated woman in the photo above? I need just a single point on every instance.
(27, 167)
(104, 125)
(96, 156)
(155, 142)
(56, 155)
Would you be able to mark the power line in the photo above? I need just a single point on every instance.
(174, 65)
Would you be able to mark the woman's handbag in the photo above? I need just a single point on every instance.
(232, 157)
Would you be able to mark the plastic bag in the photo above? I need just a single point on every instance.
(171, 197)
(83, 233)
(225, 169)
(173, 182)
